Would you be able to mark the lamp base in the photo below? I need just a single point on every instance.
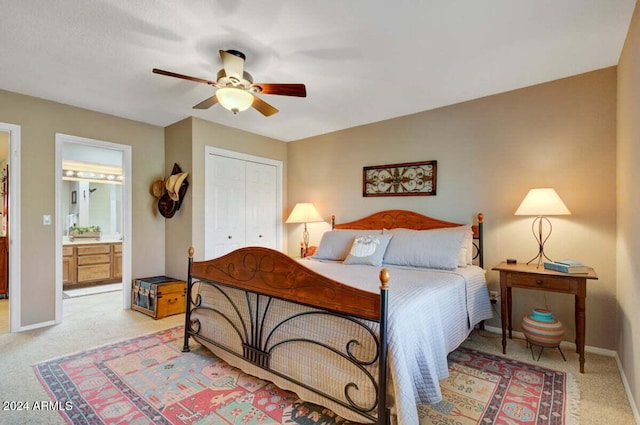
(539, 257)
(305, 242)
(540, 240)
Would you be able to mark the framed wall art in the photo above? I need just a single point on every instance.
(407, 179)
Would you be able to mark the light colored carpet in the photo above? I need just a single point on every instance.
(99, 319)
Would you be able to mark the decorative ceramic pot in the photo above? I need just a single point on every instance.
(542, 329)
(541, 315)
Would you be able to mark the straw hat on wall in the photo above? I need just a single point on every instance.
(170, 192)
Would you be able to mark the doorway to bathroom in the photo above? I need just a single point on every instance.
(93, 218)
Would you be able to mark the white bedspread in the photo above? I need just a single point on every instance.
(430, 314)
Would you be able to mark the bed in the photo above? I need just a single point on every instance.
(363, 327)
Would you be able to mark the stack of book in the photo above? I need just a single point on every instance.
(566, 266)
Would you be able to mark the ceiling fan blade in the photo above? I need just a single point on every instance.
(184, 77)
(263, 107)
(298, 90)
(207, 103)
(233, 63)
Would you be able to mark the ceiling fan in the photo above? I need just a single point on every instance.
(236, 90)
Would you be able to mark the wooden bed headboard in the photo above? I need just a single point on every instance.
(392, 219)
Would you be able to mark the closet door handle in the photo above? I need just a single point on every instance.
(259, 236)
(229, 237)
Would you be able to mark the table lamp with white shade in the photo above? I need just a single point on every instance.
(304, 213)
(541, 202)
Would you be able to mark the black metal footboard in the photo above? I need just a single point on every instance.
(263, 307)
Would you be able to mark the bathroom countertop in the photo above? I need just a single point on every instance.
(89, 241)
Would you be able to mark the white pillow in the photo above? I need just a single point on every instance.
(368, 250)
(336, 244)
(466, 248)
(468, 243)
(435, 249)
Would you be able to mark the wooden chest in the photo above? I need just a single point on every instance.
(158, 296)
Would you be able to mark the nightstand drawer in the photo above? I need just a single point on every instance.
(540, 282)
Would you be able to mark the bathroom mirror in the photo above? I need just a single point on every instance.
(92, 190)
(88, 204)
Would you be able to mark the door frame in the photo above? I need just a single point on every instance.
(14, 225)
(61, 139)
(210, 150)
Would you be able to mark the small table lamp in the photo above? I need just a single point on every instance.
(304, 213)
(541, 203)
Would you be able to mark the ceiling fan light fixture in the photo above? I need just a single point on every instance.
(236, 89)
(234, 100)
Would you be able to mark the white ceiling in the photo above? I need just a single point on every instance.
(361, 60)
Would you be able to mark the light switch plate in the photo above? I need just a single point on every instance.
(46, 219)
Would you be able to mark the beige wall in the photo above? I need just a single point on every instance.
(490, 152)
(628, 278)
(186, 143)
(40, 120)
(178, 148)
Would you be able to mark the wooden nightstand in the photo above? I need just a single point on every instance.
(529, 277)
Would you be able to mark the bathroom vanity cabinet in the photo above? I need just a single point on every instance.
(87, 264)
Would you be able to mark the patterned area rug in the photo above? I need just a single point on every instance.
(486, 389)
(148, 380)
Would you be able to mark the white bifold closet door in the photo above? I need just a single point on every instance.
(260, 206)
(240, 205)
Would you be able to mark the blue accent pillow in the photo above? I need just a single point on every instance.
(368, 250)
(336, 244)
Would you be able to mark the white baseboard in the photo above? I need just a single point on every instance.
(627, 389)
(563, 344)
(594, 350)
